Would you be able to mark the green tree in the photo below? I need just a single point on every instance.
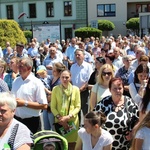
(105, 25)
(133, 24)
(88, 32)
(10, 31)
(27, 34)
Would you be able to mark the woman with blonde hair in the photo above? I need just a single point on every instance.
(3, 67)
(100, 89)
(142, 134)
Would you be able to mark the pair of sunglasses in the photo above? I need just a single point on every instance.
(106, 73)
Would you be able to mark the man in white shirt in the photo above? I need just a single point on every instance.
(30, 95)
(80, 74)
(118, 59)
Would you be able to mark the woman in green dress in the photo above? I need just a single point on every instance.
(65, 105)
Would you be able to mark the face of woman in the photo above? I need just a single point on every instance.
(65, 78)
(88, 127)
(142, 76)
(98, 65)
(106, 74)
(55, 72)
(1, 69)
(116, 89)
(13, 64)
(108, 61)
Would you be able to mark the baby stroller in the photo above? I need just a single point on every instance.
(45, 137)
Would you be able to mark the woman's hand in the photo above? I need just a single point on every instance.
(129, 135)
(64, 119)
(64, 122)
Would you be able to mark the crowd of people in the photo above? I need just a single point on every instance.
(95, 92)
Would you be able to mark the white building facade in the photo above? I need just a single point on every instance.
(117, 11)
(70, 14)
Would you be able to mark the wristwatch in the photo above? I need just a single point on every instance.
(58, 116)
(26, 103)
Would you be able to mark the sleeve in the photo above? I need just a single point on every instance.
(118, 73)
(24, 138)
(81, 133)
(54, 101)
(140, 134)
(133, 92)
(3, 86)
(94, 88)
(92, 77)
(40, 92)
(77, 104)
(109, 139)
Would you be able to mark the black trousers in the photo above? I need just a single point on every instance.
(32, 123)
(84, 103)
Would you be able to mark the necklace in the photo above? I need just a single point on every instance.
(116, 108)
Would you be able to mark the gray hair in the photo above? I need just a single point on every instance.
(28, 61)
(126, 57)
(80, 50)
(9, 99)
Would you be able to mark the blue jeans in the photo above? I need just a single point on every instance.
(48, 120)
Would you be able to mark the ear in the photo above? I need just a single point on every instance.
(96, 126)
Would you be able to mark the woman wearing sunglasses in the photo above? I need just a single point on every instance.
(100, 89)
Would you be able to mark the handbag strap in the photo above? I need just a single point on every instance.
(13, 135)
(70, 102)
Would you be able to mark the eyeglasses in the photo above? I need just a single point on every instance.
(106, 73)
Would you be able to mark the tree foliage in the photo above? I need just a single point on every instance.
(105, 25)
(88, 32)
(133, 23)
(27, 34)
(10, 31)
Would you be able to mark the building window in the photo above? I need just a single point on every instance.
(32, 10)
(106, 10)
(68, 8)
(49, 9)
(142, 8)
(10, 13)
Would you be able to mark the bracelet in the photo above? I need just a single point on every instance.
(26, 103)
(70, 115)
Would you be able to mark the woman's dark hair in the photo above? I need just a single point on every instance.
(95, 118)
(110, 56)
(146, 97)
(64, 48)
(115, 79)
(101, 60)
(107, 43)
(142, 68)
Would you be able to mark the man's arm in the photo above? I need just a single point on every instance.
(29, 104)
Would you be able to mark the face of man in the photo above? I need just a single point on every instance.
(52, 51)
(79, 56)
(116, 52)
(24, 70)
(6, 115)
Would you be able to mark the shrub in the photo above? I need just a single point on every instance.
(28, 34)
(11, 32)
(105, 25)
(133, 23)
(88, 32)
